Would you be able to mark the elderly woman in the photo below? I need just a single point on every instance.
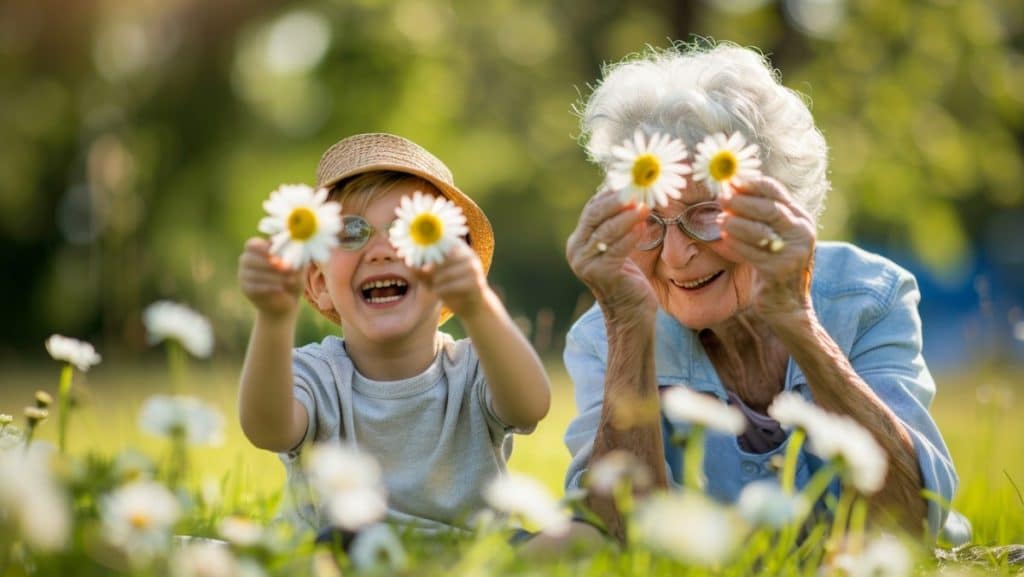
(734, 296)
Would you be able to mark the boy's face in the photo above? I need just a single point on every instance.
(377, 297)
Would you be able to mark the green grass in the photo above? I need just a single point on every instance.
(977, 413)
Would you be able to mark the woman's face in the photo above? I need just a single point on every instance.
(700, 284)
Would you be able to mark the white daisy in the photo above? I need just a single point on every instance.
(138, 517)
(303, 224)
(689, 527)
(683, 404)
(73, 351)
(723, 161)
(835, 437)
(525, 497)
(32, 501)
(426, 229)
(201, 423)
(648, 171)
(885, 556)
(350, 483)
(203, 559)
(615, 468)
(240, 531)
(377, 549)
(764, 503)
(171, 320)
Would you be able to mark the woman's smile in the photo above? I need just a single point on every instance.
(697, 283)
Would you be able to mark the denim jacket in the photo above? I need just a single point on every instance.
(866, 303)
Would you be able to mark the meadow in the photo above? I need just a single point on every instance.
(977, 412)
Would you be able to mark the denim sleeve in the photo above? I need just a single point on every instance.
(586, 369)
(887, 355)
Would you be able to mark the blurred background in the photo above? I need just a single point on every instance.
(141, 136)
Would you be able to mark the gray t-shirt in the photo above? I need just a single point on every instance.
(435, 434)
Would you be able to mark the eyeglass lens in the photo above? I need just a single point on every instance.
(699, 222)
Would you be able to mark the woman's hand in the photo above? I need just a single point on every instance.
(763, 225)
(598, 253)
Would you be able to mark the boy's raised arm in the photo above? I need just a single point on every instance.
(270, 416)
(519, 385)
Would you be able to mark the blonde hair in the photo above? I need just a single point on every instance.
(357, 192)
(689, 91)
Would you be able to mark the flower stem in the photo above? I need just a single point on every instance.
(178, 460)
(177, 365)
(796, 443)
(842, 515)
(693, 466)
(64, 403)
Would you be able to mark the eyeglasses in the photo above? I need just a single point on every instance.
(356, 232)
(699, 222)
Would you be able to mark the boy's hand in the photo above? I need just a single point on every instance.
(459, 281)
(272, 287)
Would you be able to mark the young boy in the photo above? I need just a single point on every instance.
(436, 413)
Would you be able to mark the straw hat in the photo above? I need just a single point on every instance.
(380, 151)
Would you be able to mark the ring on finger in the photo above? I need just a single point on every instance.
(773, 243)
(601, 248)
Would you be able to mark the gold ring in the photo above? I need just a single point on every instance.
(601, 248)
(772, 243)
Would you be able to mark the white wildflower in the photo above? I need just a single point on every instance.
(240, 531)
(303, 224)
(171, 320)
(200, 423)
(138, 517)
(885, 556)
(350, 483)
(31, 499)
(378, 549)
(764, 503)
(525, 497)
(690, 527)
(615, 468)
(73, 351)
(648, 172)
(721, 162)
(682, 404)
(426, 229)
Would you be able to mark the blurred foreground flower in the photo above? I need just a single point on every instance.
(689, 527)
(197, 422)
(349, 482)
(240, 531)
(78, 353)
(137, 519)
(171, 320)
(648, 171)
(722, 162)
(31, 501)
(524, 497)
(204, 559)
(616, 469)
(303, 225)
(426, 229)
(378, 550)
(765, 504)
(885, 556)
(74, 353)
(683, 404)
(838, 438)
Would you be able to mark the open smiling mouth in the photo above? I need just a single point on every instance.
(698, 283)
(384, 291)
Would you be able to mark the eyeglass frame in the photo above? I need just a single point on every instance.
(678, 220)
(345, 219)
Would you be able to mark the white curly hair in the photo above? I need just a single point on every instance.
(689, 92)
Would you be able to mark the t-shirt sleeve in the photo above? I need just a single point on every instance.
(499, 429)
(309, 390)
(887, 355)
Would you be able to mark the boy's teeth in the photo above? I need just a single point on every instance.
(379, 300)
(383, 284)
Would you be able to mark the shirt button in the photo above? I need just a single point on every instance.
(749, 467)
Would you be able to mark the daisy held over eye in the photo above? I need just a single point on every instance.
(409, 250)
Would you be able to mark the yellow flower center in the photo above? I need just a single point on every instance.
(723, 165)
(646, 169)
(139, 520)
(301, 223)
(426, 229)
